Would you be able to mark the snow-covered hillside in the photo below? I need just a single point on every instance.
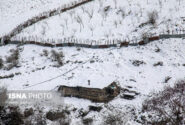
(15, 12)
(143, 69)
(102, 66)
(107, 19)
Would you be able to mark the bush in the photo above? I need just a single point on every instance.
(144, 36)
(28, 112)
(11, 116)
(166, 107)
(152, 17)
(65, 121)
(34, 117)
(13, 59)
(138, 62)
(58, 57)
(160, 63)
(39, 119)
(55, 115)
(113, 119)
(117, 115)
(87, 121)
(1, 63)
(45, 53)
(62, 117)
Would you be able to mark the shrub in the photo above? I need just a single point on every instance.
(13, 59)
(138, 62)
(152, 17)
(34, 117)
(28, 112)
(1, 63)
(12, 65)
(62, 117)
(58, 57)
(113, 119)
(144, 36)
(55, 115)
(117, 115)
(45, 53)
(166, 107)
(160, 63)
(39, 119)
(87, 121)
(11, 116)
(65, 121)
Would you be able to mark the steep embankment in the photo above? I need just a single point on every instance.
(42, 16)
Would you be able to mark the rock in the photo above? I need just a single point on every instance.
(95, 108)
(55, 115)
(138, 62)
(92, 61)
(87, 121)
(158, 64)
(167, 79)
(127, 96)
(28, 112)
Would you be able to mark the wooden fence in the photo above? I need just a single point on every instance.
(87, 43)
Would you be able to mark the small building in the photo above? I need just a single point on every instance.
(94, 94)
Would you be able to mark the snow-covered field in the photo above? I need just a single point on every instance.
(100, 66)
(163, 61)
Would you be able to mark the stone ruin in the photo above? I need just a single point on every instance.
(94, 94)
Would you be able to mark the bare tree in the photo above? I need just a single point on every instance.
(152, 17)
(79, 21)
(166, 107)
(91, 27)
(90, 13)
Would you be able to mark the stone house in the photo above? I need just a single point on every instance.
(94, 94)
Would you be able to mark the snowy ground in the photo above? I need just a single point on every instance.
(13, 12)
(100, 66)
(109, 65)
(105, 19)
